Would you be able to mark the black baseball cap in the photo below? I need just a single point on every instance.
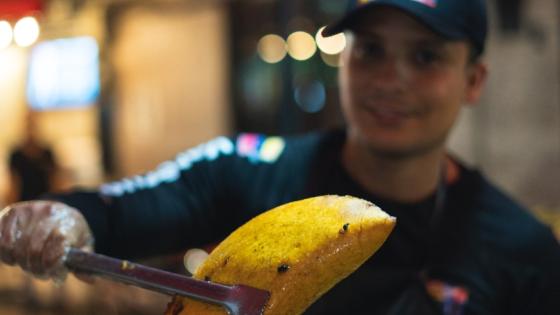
(452, 19)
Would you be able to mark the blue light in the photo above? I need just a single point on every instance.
(311, 96)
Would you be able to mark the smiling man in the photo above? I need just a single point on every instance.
(402, 87)
(460, 245)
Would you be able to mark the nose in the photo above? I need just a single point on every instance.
(388, 75)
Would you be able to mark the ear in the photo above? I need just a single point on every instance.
(476, 78)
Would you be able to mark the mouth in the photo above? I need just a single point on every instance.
(389, 114)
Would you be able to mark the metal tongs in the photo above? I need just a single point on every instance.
(237, 299)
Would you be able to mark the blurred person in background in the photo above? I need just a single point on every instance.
(32, 166)
(461, 246)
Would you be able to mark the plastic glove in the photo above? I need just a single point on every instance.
(36, 235)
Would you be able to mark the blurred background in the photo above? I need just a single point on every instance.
(100, 89)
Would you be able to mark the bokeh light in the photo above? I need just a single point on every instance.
(5, 34)
(331, 45)
(301, 45)
(26, 31)
(272, 48)
(193, 258)
(331, 60)
(311, 96)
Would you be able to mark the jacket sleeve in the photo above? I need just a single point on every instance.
(188, 201)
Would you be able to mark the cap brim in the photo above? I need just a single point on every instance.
(342, 24)
(347, 21)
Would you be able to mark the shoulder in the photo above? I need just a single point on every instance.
(15, 155)
(15, 152)
(504, 224)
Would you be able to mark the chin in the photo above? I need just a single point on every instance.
(391, 151)
(398, 148)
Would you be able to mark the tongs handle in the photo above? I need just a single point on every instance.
(237, 299)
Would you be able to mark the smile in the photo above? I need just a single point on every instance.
(389, 114)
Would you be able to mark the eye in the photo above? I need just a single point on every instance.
(368, 50)
(426, 57)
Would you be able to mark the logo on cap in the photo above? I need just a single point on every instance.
(430, 3)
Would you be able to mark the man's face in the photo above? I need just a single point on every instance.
(402, 86)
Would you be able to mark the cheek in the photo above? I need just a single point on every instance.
(443, 93)
(442, 100)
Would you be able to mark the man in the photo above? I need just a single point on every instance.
(32, 166)
(460, 245)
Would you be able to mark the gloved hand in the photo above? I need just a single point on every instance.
(36, 235)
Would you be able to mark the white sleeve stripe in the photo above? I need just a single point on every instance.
(170, 171)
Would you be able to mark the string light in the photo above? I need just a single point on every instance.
(301, 45)
(331, 45)
(272, 48)
(26, 31)
(331, 60)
